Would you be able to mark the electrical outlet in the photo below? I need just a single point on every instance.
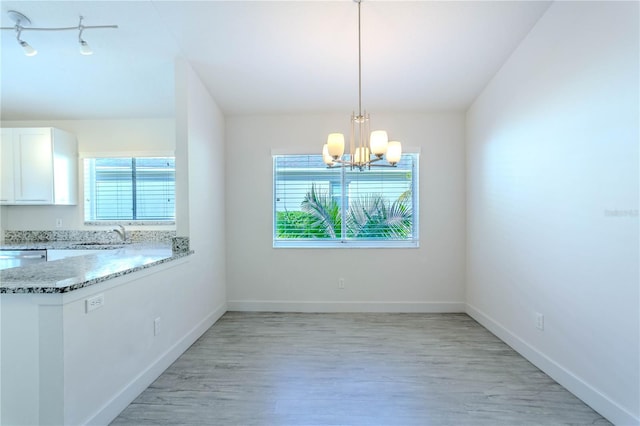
(539, 321)
(93, 303)
(341, 283)
(156, 326)
(58, 223)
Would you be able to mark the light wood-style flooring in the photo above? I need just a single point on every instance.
(353, 369)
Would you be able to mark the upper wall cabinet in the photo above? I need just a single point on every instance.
(39, 167)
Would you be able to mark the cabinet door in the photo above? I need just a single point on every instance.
(6, 166)
(33, 166)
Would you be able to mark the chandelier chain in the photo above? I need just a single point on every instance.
(359, 64)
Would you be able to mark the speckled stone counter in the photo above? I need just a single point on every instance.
(65, 275)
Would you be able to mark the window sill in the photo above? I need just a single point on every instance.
(130, 222)
(345, 244)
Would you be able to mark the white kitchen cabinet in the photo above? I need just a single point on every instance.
(6, 166)
(39, 167)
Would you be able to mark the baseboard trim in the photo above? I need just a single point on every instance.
(588, 394)
(304, 306)
(121, 400)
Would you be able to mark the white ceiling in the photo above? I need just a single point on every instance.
(257, 57)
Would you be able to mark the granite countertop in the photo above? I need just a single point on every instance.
(71, 245)
(72, 273)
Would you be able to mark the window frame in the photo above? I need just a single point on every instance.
(121, 155)
(413, 242)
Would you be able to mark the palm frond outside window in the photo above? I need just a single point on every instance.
(316, 206)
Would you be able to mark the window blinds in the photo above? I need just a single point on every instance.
(129, 188)
(325, 206)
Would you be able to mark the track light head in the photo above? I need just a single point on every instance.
(28, 50)
(85, 49)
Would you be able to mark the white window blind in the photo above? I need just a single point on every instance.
(319, 206)
(141, 188)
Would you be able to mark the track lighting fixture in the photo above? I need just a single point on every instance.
(85, 49)
(22, 23)
(28, 50)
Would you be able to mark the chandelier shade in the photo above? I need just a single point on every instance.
(378, 142)
(394, 152)
(335, 143)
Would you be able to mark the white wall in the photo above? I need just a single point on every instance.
(111, 354)
(430, 278)
(135, 136)
(553, 202)
(201, 126)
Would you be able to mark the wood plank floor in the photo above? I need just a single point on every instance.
(353, 369)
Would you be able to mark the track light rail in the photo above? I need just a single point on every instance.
(22, 24)
(77, 27)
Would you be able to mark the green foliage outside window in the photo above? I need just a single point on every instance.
(368, 216)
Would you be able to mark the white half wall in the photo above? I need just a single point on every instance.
(429, 278)
(552, 154)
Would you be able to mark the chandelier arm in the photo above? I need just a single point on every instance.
(382, 165)
(365, 164)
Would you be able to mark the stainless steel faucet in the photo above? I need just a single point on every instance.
(122, 232)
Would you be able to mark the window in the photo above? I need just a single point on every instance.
(129, 189)
(317, 206)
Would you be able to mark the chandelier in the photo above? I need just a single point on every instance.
(362, 153)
